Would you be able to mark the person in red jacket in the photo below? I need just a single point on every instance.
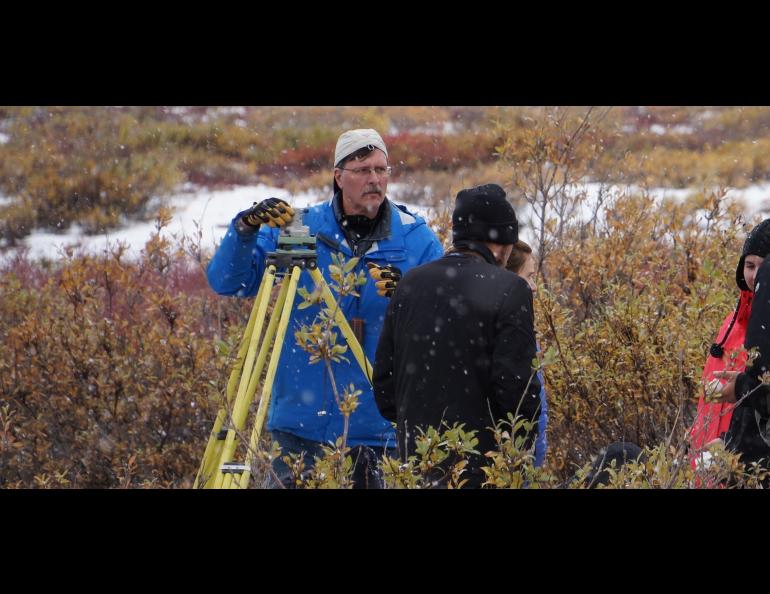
(713, 418)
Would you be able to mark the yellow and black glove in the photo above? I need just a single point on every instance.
(273, 212)
(385, 277)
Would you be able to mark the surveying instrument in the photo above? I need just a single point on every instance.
(296, 252)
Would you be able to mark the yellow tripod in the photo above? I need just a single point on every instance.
(217, 469)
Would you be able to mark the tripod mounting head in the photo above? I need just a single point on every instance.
(296, 246)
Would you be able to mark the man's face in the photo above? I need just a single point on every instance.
(362, 189)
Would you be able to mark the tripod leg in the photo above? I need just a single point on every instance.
(241, 405)
(266, 347)
(267, 387)
(213, 447)
(339, 318)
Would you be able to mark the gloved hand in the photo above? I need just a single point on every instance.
(272, 211)
(386, 278)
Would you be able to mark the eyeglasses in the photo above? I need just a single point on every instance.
(367, 171)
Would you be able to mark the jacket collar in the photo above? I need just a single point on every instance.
(475, 247)
(387, 234)
(744, 306)
(381, 230)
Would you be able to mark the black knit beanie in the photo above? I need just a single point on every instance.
(757, 244)
(483, 214)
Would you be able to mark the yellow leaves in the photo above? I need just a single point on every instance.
(630, 307)
(72, 166)
(350, 400)
(309, 299)
(320, 343)
(163, 218)
(510, 465)
(337, 350)
(92, 376)
(344, 280)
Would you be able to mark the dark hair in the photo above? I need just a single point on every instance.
(361, 153)
(519, 255)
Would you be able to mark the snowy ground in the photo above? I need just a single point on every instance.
(193, 207)
(755, 200)
(213, 210)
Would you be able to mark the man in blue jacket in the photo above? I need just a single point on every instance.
(358, 221)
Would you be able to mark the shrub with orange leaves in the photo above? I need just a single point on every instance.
(632, 305)
(111, 370)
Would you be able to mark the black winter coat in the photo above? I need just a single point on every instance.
(457, 345)
(750, 418)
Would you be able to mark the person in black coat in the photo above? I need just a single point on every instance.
(458, 339)
(748, 433)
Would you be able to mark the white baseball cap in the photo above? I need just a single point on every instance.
(352, 140)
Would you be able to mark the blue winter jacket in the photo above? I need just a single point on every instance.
(302, 401)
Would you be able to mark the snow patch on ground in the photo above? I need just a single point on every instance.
(678, 129)
(755, 200)
(210, 212)
(194, 209)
